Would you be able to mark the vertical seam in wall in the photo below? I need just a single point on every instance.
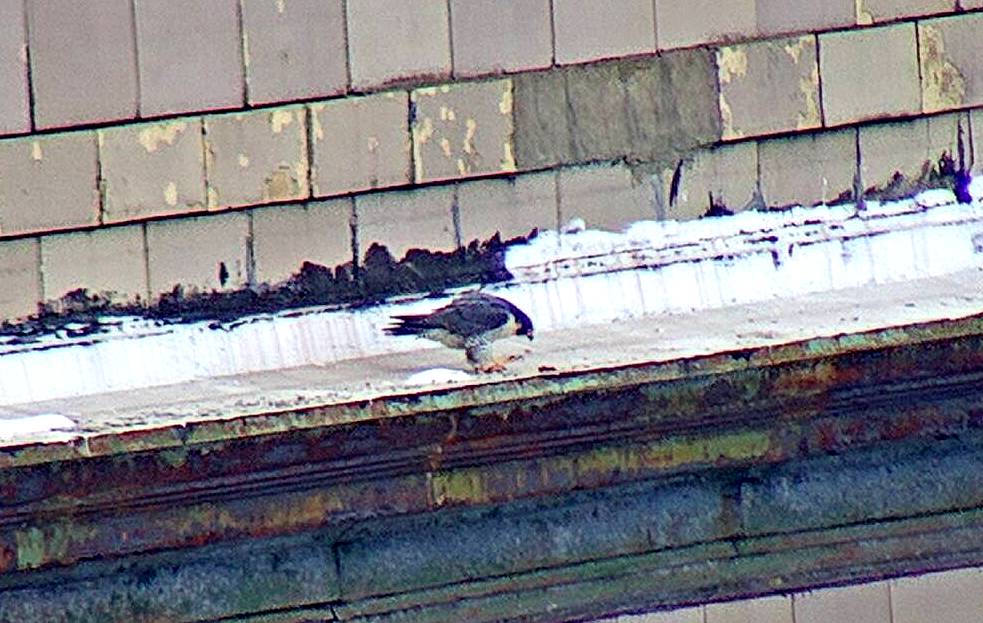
(456, 217)
(353, 227)
(206, 173)
(970, 141)
(309, 120)
(136, 57)
(918, 64)
(890, 602)
(552, 35)
(250, 251)
(32, 124)
(410, 120)
(819, 87)
(556, 200)
(146, 260)
(791, 605)
(346, 37)
(858, 173)
(450, 38)
(100, 179)
(242, 54)
(40, 262)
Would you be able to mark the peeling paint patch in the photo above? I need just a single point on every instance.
(864, 17)
(943, 85)
(727, 120)
(795, 50)
(471, 127)
(152, 136)
(505, 105)
(810, 117)
(316, 127)
(731, 63)
(279, 119)
(170, 194)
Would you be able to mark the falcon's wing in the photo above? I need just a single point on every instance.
(471, 315)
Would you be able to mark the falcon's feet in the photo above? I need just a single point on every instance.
(492, 366)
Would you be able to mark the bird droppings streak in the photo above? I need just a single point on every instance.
(560, 280)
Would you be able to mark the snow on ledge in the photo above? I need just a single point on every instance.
(561, 280)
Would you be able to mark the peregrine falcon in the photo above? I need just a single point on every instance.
(472, 321)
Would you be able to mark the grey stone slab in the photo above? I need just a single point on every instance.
(190, 55)
(294, 50)
(83, 62)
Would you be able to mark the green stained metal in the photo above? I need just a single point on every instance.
(37, 547)
(471, 485)
(175, 457)
(459, 486)
(30, 548)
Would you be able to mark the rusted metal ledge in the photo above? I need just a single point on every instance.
(544, 499)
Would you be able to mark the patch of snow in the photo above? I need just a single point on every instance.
(438, 376)
(13, 427)
(935, 197)
(560, 279)
(976, 188)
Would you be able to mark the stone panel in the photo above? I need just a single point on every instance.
(462, 130)
(294, 50)
(284, 237)
(404, 220)
(198, 254)
(678, 26)
(190, 55)
(511, 206)
(15, 111)
(83, 61)
(606, 197)
(360, 143)
(769, 87)
(152, 169)
(256, 157)
(808, 170)
(109, 262)
(588, 30)
(869, 73)
(21, 278)
(493, 36)
(386, 45)
(950, 51)
(48, 182)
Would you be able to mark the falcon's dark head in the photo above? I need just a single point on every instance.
(523, 323)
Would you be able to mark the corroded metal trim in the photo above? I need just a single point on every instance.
(354, 473)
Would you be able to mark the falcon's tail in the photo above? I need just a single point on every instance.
(413, 324)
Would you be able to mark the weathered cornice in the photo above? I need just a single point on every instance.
(740, 472)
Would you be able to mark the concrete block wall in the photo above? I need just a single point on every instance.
(255, 134)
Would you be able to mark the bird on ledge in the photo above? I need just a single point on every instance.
(472, 321)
